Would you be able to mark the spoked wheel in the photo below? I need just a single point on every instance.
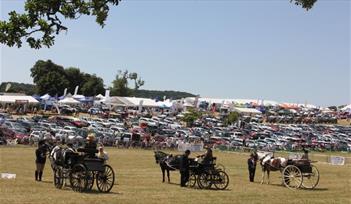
(292, 177)
(192, 180)
(221, 180)
(90, 180)
(106, 179)
(204, 180)
(58, 178)
(310, 180)
(78, 178)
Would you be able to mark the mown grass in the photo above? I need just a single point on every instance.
(139, 181)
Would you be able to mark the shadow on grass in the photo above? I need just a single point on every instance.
(197, 188)
(95, 191)
(45, 182)
(301, 188)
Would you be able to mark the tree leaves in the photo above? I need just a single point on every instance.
(53, 79)
(120, 84)
(44, 16)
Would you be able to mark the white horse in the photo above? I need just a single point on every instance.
(270, 163)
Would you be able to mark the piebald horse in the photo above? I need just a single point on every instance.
(270, 163)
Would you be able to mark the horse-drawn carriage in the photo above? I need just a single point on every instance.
(300, 174)
(296, 173)
(81, 170)
(206, 176)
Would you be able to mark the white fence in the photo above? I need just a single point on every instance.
(193, 147)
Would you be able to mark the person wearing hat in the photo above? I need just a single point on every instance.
(40, 154)
(184, 168)
(207, 158)
(251, 163)
(91, 145)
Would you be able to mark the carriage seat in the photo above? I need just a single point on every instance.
(87, 150)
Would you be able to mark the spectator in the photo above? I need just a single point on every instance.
(184, 168)
(251, 162)
(40, 160)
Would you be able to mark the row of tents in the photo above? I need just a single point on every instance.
(146, 102)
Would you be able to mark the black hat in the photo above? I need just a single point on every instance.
(187, 151)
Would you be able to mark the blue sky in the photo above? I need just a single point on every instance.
(269, 50)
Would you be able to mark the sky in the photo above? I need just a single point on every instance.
(268, 49)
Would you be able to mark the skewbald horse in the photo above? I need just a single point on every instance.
(269, 163)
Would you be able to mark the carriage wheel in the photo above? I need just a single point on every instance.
(90, 180)
(204, 180)
(58, 178)
(311, 180)
(78, 178)
(292, 177)
(192, 180)
(106, 179)
(221, 180)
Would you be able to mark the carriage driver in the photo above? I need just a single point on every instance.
(207, 158)
(91, 145)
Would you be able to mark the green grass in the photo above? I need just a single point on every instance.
(139, 181)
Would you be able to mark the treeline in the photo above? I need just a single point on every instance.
(53, 79)
(30, 89)
(161, 94)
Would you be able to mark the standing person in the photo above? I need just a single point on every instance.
(251, 162)
(40, 160)
(184, 168)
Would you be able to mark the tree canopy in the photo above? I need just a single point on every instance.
(120, 84)
(53, 79)
(42, 19)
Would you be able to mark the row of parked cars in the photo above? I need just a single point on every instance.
(167, 131)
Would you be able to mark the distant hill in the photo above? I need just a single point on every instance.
(160, 94)
(29, 89)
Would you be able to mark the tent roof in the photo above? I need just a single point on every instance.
(45, 97)
(145, 101)
(69, 100)
(100, 96)
(247, 110)
(13, 99)
(348, 107)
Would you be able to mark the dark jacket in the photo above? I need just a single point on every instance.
(40, 154)
(184, 163)
(251, 163)
(90, 149)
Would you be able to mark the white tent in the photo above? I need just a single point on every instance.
(346, 108)
(165, 104)
(146, 102)
(247, 110)
(17, 99)
(78, 97)
(100, 96)
(45, 97)
(68, 100)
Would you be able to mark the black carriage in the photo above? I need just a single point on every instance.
(82, 170)
(206, 176)
(300, 174)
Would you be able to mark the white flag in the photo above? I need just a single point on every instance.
(76, 91)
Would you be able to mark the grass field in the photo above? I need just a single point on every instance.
(139, 181)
